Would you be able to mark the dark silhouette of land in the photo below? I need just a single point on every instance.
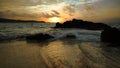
(4, 20)
(111, 35)
(82, 24)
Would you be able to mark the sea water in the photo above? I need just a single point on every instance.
(84, 51)
(10, 31)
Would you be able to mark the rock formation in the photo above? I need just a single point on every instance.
(82, 25)
(111, 35)
(39, 37)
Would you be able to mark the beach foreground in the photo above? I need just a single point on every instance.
(58, 54)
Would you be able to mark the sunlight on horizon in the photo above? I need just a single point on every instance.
(55, 20)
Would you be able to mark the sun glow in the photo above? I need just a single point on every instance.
(55, 19)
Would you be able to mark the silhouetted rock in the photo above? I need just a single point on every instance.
(82, 24)
(111, 35)
(39, 37)
(70, 36)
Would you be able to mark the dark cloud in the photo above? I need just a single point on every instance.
(55, 12)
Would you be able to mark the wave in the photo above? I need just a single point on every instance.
(80, 34)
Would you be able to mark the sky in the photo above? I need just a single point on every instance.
(61, 10)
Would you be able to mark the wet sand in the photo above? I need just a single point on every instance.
(58, 54)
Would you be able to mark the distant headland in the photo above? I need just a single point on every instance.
(4, 20)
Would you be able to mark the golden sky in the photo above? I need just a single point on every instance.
(60, 10)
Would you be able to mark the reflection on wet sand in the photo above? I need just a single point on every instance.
(84, 55)
(58, 54)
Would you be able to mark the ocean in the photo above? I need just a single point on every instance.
(16, 31)
(84, 51)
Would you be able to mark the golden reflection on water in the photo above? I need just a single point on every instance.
(58, 54)
(82, 55)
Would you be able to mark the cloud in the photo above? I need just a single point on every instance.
(15, 3)
(20, 2)
(67, 9)
(16, 15)
(55, 12)
(49, 14)
(36, 11)
(1, 14)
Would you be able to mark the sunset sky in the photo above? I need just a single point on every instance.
(61, 10)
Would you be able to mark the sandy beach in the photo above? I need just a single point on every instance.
(58, 54)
